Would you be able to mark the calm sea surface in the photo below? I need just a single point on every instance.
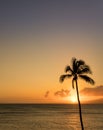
(49, 117)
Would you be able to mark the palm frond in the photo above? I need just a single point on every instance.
(84, 69)
(80, 62)
(74, 64)
(68, 69)
(87, 79)
(73, 83)
(62, 77)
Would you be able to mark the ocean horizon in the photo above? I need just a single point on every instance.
(50, 116)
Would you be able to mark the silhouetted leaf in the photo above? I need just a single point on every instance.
(62, 77)
(68, 69)
(87, 79)
(74, 66)
(73, 83)
(80, 62)
(84, 69)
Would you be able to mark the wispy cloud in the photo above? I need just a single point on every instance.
(62, 93)
(46, 94)
(96, 91)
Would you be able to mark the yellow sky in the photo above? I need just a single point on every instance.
(39, 41)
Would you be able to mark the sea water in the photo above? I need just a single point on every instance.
(50, 117)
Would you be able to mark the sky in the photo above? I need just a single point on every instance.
(38, 38)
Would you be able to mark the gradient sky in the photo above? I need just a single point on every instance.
(38, 38)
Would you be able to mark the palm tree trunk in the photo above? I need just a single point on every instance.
(80, 112)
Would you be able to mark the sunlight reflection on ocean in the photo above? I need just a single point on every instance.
(52, 117)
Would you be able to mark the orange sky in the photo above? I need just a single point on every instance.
(39, 39)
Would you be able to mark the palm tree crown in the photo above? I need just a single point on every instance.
(78, 69)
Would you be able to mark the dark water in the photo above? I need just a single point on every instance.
(49, 117)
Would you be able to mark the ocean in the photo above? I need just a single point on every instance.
(50, 117)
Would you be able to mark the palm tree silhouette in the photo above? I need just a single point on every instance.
(78, 69)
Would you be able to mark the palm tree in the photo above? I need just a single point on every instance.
(78, 69)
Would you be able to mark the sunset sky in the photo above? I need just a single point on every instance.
(38, 38)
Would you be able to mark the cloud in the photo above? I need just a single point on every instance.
(46, 94)
(62, 93)
(96, 91)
